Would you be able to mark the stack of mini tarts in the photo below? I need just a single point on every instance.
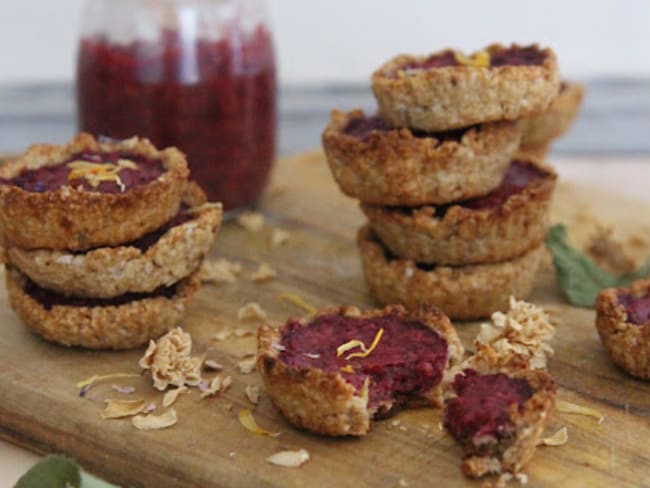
(455, 219)
(102, 240)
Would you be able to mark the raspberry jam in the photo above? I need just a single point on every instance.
(213, 99)
(51, 178)
(409, 358)
(362, 127)
(636, 307)
(482, 407)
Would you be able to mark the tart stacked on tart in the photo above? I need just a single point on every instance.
(102, 240)
(455, 218)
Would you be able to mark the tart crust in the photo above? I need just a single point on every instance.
(112, 271)
(541, 128)
(395, 167)
(76, 219)
(444, 98)
(627, 344)
(323, 402)
(466, 236)
(463, 293)
(124, 326)
(512, 453)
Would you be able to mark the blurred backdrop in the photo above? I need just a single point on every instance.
(344, 40)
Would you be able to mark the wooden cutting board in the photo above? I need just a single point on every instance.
(40, 407)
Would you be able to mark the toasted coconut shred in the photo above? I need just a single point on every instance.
(219, 271)
(118, 409)
(253, 394)
(155, 422)
(560, 438)
(568, 407)
(170, 362)
(251, 221)
(263, 273)
(248, 421)
(96, 173)
(289, 459)
(251, 311)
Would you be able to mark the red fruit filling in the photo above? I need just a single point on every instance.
(148, 240)
(482, 407)
(408, 360)
(49, 299)
(637, 308)
(361, 128)
(51, 178)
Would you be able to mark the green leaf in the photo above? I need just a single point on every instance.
(52, 472)
(578, 276)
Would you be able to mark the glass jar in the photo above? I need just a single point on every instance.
(195, 74)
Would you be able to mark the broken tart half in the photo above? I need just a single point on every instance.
(623, 323)
(334, 372)
(379, 164)
(89, 193)
(447, 89)
(123, 322)
(498, 418)
(506, 223)
(158, 259)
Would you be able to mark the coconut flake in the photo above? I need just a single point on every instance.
(251, 311)
(117, 409)
(172, 395)
(289, 459)
(155, 422)
(212, 365)
(263, 273)
(560, 438)
(217, 384)
(568, 407)
(251, 221)
(253, 394)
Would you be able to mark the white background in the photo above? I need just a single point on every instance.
(344, 40)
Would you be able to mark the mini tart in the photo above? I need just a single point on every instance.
(77, 217)
(509, 447)
(161, 258)
(377, 164)
(490, 229)
(463, 293)
(313, 392)
(623, 323)
(123, 322)
(541, 128)
(437, 93)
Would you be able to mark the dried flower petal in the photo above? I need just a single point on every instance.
(251, 311)
(248, 421)
(298, 302)
(212, 365)
(149, 408)
(170, 362)
(124, 390)
(217, 384)
(154, 422)
(253, 394)
(289, 459)
(568, 407)
(117, 409)
(279, 237)
(247, 365)
(87, 384)
(263, 273)
(251, 221)
(219, 271)
(172, 395)
(560, 438)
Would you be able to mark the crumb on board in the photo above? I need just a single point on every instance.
(251, 221)
(263, 273)
(251, 311)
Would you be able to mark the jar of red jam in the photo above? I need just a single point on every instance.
(195, 74)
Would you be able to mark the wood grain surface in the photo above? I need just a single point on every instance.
(40, 407)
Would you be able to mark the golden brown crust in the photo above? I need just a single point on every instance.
(463, 293)
(535, 153)
(628, 344)
(75, 219)
(511, 453)
(323, 402)
(541, 128)
(108, 327)
(395, 167)
(446, 98)
(465, 236)
(112, 271)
